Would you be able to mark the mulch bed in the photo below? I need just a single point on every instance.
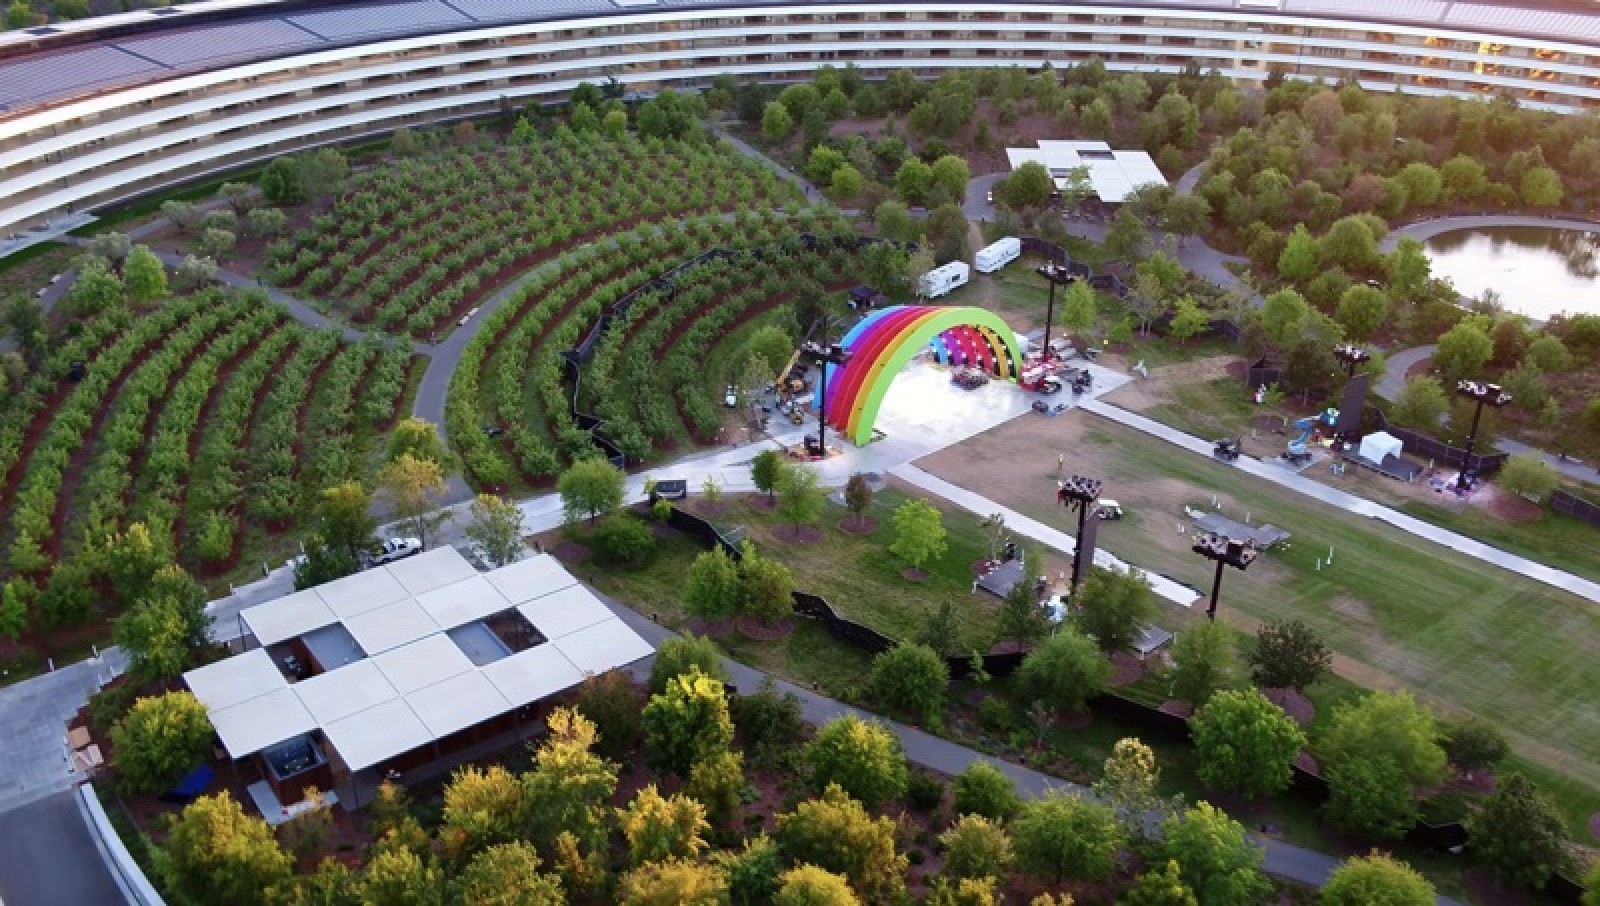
(765, 632)
(1127, 669)
(572, 552)
(762, 502)
(913, 574)
(1513, 508)
(1421, 368)
(1594, 825)
(864, 525)
(1293, 703)
(797, 534)
(715, 629)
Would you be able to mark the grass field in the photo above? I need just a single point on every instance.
(1463, 635)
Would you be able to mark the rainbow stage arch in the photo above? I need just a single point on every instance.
(885, 341)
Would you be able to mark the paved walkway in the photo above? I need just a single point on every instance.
(1280, 859)
(51, 858)
(1394, 378)
(34, 715)
(811, 191)
(1359, 506)
(1427, 229)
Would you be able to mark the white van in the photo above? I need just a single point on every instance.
(992, 258)
(943, 279)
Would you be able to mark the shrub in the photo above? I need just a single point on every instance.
(623, 540)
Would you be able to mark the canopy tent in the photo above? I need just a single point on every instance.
(1375, 447)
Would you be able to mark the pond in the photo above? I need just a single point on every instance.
(1537, 271)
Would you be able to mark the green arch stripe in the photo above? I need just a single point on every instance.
(864, 413)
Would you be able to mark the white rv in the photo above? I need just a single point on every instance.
(990, 259)
(943, 279)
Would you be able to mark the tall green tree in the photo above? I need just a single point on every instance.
(1299, 260)
(687, 722)
(1386, 724)
(1206, 661)
(482, 807)
(1362, 311)
(911, 678)
(919, 534)
(1063, 672)
(1245, 743)
(507, 875)
(1162, 886)
(1288, 655)
(768, 593)
(799, 497)
(215, 853)
(1370, 796)
(159, 740)
(496, 527)
(676, 655)
(1376, 880)
(661, 827)
(712, 591)
(1028, 186)
(1421, 403)
(863, 758)
(144, 275)
(1060, 836)
(1463, 351)
(590, 487)
(1113, 607)
(1473, 744)
(766, 469)
(569, 787)
(415, 488)
(1220, 863)
(835, 833)
(1518, 833)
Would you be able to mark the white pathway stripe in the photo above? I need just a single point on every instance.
(1360, 506)
(1032, 528)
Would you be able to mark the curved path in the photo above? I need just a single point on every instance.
(1427, 229)
(1400, 361)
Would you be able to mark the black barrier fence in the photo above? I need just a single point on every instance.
(1442, 454)
(667, 282)
(1575, 506)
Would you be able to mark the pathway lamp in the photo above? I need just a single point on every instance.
(1224, 551)
(822, 354)
(1352, 356)
(1483, 394)
(1080, 492)
(1057, 275)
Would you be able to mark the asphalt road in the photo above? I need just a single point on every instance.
(50, 858)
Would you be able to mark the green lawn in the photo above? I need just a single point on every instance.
(1464, 635)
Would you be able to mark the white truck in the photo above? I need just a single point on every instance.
(991, 258)
(393, 549)
(943, 279)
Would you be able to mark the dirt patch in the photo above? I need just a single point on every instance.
(1352, 608)
(913, 574)
(715, 629)
(797, 534)
(1420, 368)
(1510, 507)
(765, 632)
(858, 525)
(1157, 389)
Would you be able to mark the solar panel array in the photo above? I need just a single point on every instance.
(512, 10)
(190, 46)
(69, 72)
(384, 19)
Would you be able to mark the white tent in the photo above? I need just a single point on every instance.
(1374, 447)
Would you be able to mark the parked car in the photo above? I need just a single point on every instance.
(394, 549)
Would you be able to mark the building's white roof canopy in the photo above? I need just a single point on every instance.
(1113, 175)
(287, 617)
(237, 679)
(416, 685)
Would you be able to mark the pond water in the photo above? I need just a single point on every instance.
(1537, 271)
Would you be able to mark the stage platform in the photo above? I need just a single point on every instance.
(1392, 466)
(1000, 580)
(1262, 536)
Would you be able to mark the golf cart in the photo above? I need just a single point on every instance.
(1109, 510)
(1227, 449)
(1044, 408)
(1082, 381)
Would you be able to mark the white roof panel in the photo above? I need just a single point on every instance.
(565, 612)
(527, 676)
(391, 626)
(237, 679)
(603, 646)
(367, 737)
(428, 570)
(531, 577)
(263, 721)
(340, 693)
(361, 592)
(1020, 156)
(287, 617)
(461, 602)
(422, 663)
(457, 703)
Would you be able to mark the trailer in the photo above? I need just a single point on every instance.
(993, 257)
(943, 279)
